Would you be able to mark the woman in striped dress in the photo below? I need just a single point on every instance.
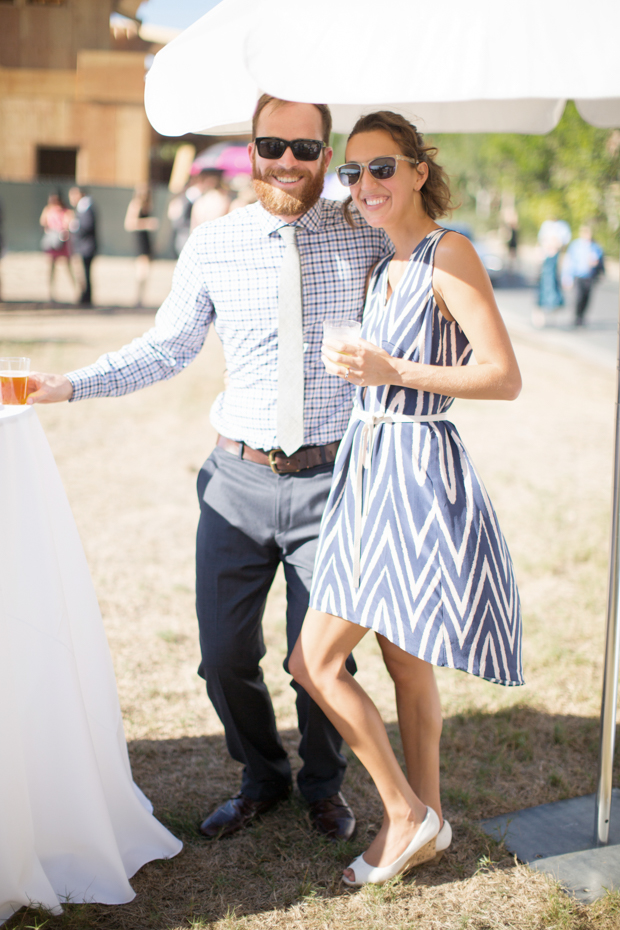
(410, 546)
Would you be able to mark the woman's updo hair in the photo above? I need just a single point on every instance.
(435, 191)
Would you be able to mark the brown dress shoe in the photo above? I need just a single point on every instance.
(333, 817)
(235, 814)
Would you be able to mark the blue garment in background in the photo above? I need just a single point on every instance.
(550, 294)
(584, 259)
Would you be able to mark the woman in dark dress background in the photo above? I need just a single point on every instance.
(139, 220)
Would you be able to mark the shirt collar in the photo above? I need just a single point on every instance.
(312, 220)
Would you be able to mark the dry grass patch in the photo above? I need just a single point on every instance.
(129, 466)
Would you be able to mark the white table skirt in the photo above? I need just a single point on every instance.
(73, 826)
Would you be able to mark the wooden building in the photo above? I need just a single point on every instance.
(71, 97)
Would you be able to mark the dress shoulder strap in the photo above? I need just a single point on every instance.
(374, 273)
(432, 241)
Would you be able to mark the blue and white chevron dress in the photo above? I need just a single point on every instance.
(410, 545)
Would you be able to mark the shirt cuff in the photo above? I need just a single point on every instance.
(86, 383)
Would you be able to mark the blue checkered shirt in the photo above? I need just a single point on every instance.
(228, 274)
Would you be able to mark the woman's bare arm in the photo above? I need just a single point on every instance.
(134, 222)
(464, 293)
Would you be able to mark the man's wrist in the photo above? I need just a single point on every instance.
(73, 382)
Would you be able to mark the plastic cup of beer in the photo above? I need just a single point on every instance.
(343, 330)
(14, 380)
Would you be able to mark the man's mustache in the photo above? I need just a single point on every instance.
(285, 173)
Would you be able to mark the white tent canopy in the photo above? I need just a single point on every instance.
(485, 66)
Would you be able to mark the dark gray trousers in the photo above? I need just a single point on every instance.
(251, 520)
(583, 288)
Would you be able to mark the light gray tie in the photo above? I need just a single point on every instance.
(290, 420)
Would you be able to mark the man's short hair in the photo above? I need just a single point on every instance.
(267, 100)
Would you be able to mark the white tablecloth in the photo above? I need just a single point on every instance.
(73, 826)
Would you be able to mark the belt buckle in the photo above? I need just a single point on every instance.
(272, 460)
(274, 465)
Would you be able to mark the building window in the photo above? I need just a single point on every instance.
(56, 162)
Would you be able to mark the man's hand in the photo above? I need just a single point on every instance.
(48, 389)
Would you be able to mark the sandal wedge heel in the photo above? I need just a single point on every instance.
(420, 849)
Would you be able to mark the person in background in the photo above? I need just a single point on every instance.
(584, 262)
(213, 202)
(83, 227)
(139, 220)
(553, 236)
(1, 243)
(55, 220)
(511, 220)
(242, 191)
(180, 209)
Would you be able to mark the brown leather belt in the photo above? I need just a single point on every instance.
(306, 457)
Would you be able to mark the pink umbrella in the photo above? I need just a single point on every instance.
(231, 159)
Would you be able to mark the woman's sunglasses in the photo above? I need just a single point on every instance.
(380, 168)
(302, 149)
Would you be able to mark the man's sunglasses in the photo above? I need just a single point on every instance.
(380, 168)
(302, 149)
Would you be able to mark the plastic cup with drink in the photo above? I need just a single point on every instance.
(14, 380)
(342, 330)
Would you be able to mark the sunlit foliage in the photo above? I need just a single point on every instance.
(572, 173)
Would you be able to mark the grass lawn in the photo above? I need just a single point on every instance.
(129, 467)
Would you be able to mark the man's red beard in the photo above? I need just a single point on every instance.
(280, 202)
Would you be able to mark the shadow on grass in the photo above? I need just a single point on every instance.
(491, 764)
(61, 307)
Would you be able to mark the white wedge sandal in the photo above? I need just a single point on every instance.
(420, 849)
(442, 840)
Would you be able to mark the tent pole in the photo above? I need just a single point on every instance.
(609, 700)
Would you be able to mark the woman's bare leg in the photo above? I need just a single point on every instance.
(318, 664)
(71, 272)
(419, 720)
(52, 270)
(143, 267)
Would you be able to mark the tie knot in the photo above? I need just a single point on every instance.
(288, 234)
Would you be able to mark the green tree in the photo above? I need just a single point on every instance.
(572, 173)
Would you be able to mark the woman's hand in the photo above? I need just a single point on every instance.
(361, 363)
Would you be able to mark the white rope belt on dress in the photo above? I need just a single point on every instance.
(370, 421)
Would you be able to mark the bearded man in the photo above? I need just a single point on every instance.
(267, 276)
